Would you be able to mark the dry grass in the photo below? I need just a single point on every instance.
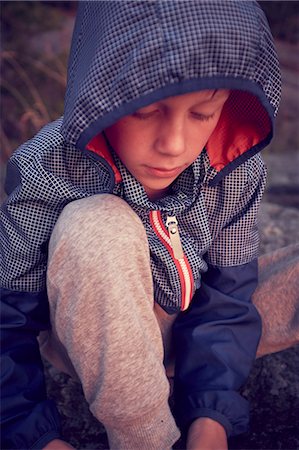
(30, 104)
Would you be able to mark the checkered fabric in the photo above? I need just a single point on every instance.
(52, 174)
(127, 54)
(218, 225)
(124, 55)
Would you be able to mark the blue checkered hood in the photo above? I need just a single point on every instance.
(128, 54)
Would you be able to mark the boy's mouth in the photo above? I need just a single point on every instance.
(161, 172)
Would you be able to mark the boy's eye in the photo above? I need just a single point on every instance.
(144, 115)
(202, 117)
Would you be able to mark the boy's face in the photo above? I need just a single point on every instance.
(161, 140)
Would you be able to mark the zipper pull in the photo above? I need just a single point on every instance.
(174, 236)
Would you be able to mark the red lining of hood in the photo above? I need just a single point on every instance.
(243, 123)
(99, 146)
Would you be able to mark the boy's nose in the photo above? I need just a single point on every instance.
(171, 139)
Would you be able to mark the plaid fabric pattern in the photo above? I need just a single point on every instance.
(136, 52)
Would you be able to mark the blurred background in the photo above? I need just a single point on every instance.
(35, 41)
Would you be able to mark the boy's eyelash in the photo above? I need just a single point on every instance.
(203, 117)
(147, 115)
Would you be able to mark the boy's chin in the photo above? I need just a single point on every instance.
(156, 193)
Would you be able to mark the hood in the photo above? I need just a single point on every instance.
(128, 54)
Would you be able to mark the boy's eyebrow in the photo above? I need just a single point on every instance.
(214, 97)
(207, 100)
(214, 92)
(211, 96)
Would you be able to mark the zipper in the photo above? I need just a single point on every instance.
(174, 235)
(170, 238)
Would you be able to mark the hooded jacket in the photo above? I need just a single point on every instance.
(124, 56)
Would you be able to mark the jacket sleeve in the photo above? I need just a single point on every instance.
(28, 419)
(217, 338)
(216, 342)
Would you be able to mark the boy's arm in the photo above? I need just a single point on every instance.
(216, 342)
(28, 418)
(216, 339)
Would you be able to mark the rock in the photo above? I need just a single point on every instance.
(278, 226)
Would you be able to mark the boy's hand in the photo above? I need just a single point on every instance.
(206, 434)
(57, 444)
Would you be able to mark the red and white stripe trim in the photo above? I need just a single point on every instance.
(182, 264)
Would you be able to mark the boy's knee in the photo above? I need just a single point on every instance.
(102, 219)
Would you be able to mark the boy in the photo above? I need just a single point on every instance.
(139, 203)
